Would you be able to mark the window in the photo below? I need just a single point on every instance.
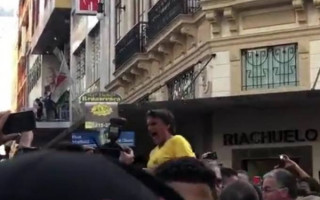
(269, 67)
(80, 57)
(182, 87)
(34, 74)
(118, 19)
(140, 10)
(95, 53)
(35, 15)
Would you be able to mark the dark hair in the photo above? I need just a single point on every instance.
(284, 179)
(239, 190)
(228, 172)
(187, 170)
(313, 184)
(166, 116)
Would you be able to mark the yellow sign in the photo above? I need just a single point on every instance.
(101, 110)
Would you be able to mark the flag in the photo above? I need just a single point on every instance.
(63, 80)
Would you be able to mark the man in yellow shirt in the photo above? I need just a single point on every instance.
(161, 127)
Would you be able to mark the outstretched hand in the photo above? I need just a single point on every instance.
(288, 163)
(5, 138)
(127, 156)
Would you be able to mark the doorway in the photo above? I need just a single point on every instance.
(258, 161)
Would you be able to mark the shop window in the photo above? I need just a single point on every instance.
(182, 87)
(270, 67)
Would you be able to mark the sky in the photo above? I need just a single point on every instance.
(8, 33)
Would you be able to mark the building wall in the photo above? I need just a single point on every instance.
(248, 120)
(225, 31)
(82, 30)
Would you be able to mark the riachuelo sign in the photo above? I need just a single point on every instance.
(100, 107)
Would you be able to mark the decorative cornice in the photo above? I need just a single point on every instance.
(176, 38)
(214, 18)
(153, 56)
(231, 15)
(189, 29)
(299, 6)
(164, 49)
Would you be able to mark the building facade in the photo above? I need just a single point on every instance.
(238, 75)
(90, 53)
(43, 64)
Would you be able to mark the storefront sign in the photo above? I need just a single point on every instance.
(100, 107)
(86, 138)
(99, 97)
(270, 137)
(87, 7)
(127, 138)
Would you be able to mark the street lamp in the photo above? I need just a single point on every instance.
(100, 11)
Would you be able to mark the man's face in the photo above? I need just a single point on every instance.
(192, 191)
(271, 191)
(157, 130)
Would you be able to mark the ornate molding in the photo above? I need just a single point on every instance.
(206, 84)
(127, 78)
(176, 38)
(299, 6)
(136, 71)
(146, 67)
(164, 49)
(153, 56)
(215, 19)
(231, 15)
(189, 30)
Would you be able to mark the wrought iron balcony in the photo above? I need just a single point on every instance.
(133, 42)
(164, 11)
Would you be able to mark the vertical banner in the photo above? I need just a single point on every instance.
(100, 107)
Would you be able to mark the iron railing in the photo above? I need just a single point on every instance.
(164, 11)
(182, 87)
(270, 67)
(133, 42)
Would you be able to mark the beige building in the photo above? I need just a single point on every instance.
(238, 74)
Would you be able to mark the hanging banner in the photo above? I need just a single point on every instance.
(86, 7)
(100, 107)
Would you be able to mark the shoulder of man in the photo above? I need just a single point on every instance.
(179, 138)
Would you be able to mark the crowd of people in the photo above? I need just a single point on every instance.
(173, 172)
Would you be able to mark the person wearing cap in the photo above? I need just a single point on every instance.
(69, 176)
(161, 127)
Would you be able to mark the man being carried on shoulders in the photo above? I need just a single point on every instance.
(161, 127)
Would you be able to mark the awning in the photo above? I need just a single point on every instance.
(208, 105)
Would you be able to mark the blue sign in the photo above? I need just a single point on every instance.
(86, 138)
(127, 139)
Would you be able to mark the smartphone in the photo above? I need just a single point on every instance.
(282, 162)
(20, 122)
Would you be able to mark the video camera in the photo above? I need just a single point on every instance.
(115, 128)
(113, 132)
